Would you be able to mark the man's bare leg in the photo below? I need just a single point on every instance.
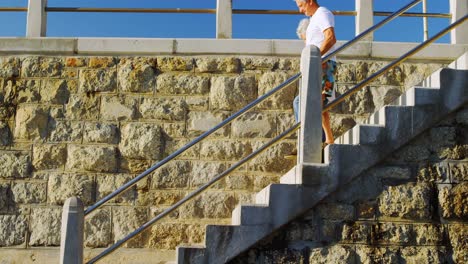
(327, 128)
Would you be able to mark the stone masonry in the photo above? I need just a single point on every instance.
(411, 208)
(83, 126)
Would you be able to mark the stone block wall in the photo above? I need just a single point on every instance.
(85, 125)
(411, 208)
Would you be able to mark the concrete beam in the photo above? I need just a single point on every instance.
(36, 24)
(223, 19)
(364, 17)
(72, 232)
(310, 93)
(459, 9)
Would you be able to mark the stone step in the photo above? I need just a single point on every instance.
(362, 134)
(311, 175)
(247, 214)
(417, 96)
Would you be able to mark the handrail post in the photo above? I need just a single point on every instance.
(223, 19)
(36, 24)
(71, 240)
(364, 17)
(458, 9)
(310, 135)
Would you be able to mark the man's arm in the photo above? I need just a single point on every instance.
(329, 40)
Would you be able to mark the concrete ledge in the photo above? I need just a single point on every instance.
(263, 47)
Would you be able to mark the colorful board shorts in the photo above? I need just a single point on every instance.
(328, 81)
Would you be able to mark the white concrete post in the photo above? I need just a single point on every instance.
(223, 19)
(71, 241)
(364, 17)
(458, 9)
(36, 24)
(310, 135)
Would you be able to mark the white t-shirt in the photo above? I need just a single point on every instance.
(321, 20)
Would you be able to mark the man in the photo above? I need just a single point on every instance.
(321, 33)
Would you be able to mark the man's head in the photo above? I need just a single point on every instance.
(307, 7)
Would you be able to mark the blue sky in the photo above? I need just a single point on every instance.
(203, 25)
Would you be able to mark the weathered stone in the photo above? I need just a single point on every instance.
(203, 172)
(169, 109)
(459, 172)
(45, 226)
(224, 150)
(175, 144)
(97, 229)
(458, 234)
(302, 231)
(21, 91)
(57, 112)
(394, 233)
(253, 63)
(371, 255)
(272, 159)
(5, 134)
(102, 62)
(14, 165)
(335, 254)
(346, 73)
(210, 205)
(254, 125)
(137, 75)
(134, 165)
(410, 201)
(28, 192)
(280, 100)
(141, 141)
(210, 64)
(106, 184)
(435, 172)
(341, 123)
(415, 255)
(357, 233)
(200, 122)
(179, 84)
(13, 231)
(173, 130)
(357, 104)
(117, 108)
(159, 197)
(336, 211)
(453, 201)
(76, 62)
(261, 182)
(101, 133)
(31, 122)
(41, 67)
(66, 131)
(82, 107)
(9, 67)
(92, 158)
(232, 93)
(175, 174)
(62, 186)
(384, 95)
(238, 182)
(442, 137)
(5, 196)
(366, 210)
(125, 220)
(414, 74)
(458, 152)
(175, 63)
(286, 121)
(429, 234)
(101, 80)
(289, 64)
(48, 156)
(197, 103)
(168, 235)
(55, 92)
(394, 76)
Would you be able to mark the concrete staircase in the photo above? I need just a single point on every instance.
(356, 151)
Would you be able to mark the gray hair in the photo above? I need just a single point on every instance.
(302, 27)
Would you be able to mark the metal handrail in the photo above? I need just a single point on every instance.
(240, 112)
(195, 193)
(232, 168)
(394, 63)
(132, 182)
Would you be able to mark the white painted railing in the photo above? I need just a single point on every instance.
(37, 16)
